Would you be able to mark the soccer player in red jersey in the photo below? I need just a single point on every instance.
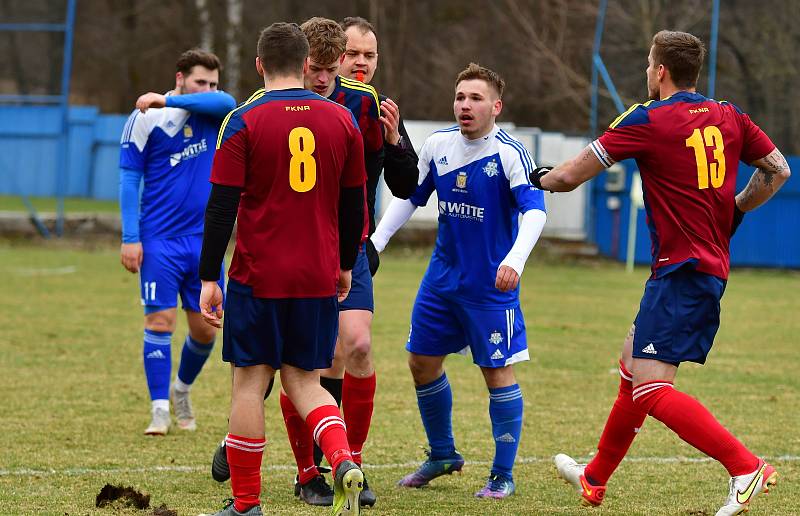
(687, 148)
(292, 164)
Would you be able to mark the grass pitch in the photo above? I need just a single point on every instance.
(75, 400)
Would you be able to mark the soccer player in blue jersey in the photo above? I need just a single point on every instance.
(168, 142)
(469, 296)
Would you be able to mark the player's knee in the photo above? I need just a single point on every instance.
(422, 369)
(359, 349)
(161, 324)
(204, 335)
(160, 321)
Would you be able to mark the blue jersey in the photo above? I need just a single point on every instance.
(482, 185)
(173, 148)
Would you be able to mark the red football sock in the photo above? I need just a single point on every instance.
(693, 423)
(300, 439)
(329, 432)
(244, 459)
(358, 396)
(621, 428)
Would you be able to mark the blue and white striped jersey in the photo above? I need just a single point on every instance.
(482, 185)
(174, 149)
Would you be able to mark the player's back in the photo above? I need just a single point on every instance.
(688, 148)
(296, 146)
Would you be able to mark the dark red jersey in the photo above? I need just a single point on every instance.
(362, 100)
(290, 151)
(687, 148)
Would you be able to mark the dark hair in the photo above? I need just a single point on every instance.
(326, 39)
(360, 23)
(194, 57)
(682, 54)
(282, 48)
(476, 71)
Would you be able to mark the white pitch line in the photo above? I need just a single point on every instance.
(27, 472)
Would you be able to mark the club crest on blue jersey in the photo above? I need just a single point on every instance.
(490, 169)
(496, 338)
(461, 180)
(187, 131)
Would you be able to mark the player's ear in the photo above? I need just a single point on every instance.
(305, 66)
(341, 59)
(179, 81)
(497, 108)
(259, 68)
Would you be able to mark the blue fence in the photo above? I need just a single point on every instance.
(29, 151)
(768, 237)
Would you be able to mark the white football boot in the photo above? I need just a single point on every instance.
(746, 487)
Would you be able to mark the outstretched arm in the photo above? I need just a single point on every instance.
(212, 103)
(570, 174)
(768, 178)
(397, 214)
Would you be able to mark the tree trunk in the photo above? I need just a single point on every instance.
(206, 26)
(233, 41)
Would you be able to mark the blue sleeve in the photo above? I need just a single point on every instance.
(423, 192)
(528, 198)
(212, 103)
(129, 181)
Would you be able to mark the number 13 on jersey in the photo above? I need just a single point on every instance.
(715, 171)
(303, 166)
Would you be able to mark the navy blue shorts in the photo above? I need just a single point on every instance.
(299, 332)
(360, 296)
(440, 326)
(170, 267)
(678, 317)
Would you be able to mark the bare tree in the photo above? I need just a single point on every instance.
(206, 26)
(233, 42)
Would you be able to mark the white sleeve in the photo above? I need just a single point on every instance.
(529, 230)
(397, 214)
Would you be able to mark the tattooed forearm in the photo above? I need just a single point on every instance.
(772, 172)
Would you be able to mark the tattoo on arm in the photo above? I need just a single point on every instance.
(763, 183)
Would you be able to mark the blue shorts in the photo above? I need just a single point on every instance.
(299, 332)
(678, 317)
(360, 296)
(440, 326)
(170, 267)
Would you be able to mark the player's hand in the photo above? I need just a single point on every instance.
(372, 257)
(507, 279)
(343, 285)
(390, 116)
(738, 215)
(130, 256)
(211, 303)
(537, 175)
(151, 100)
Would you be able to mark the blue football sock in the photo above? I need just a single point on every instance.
(505, 411)
(435, 402)
(157, 363)
(193, 356)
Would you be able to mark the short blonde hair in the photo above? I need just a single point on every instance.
(476, 71)
(326, 39)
